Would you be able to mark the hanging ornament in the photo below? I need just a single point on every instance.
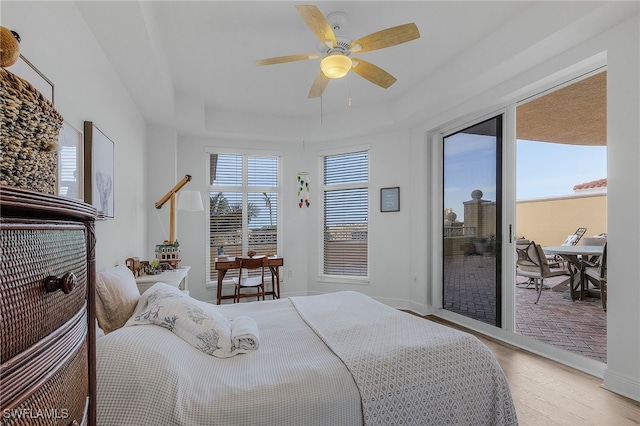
(303, 189)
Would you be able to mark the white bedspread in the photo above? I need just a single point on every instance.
(147, 375)
(410, 371)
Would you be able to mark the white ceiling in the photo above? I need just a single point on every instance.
(189, 64)
(181, 58)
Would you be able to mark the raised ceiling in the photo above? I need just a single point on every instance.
(189, 64)
(200, 53)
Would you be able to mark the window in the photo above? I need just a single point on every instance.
(244, 206)
(345, 242)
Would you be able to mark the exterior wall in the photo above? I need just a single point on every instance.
(549, 221)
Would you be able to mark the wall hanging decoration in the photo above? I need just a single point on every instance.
(303, 189)
(98, 170)
(390, 199)
(70, 158)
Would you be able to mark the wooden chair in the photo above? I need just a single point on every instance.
(243, 280)
(595, 273)
(532, 264)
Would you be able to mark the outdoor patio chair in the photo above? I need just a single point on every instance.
(595, 273)
(532, 264)
(556, 261)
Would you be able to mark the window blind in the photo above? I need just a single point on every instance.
(345, 212)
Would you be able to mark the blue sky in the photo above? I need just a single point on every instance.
(551, 169)
(543, 169)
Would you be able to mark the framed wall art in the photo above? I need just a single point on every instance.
(390, 199)
(25, 70)
(98, 170)
(70, 161)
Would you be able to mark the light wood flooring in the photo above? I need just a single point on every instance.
(548, 393)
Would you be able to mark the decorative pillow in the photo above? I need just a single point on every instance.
(197, 323)
(117, 297)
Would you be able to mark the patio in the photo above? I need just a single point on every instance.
(578, 326)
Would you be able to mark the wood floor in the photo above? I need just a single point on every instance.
(548, 393)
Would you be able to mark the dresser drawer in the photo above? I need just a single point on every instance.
(48, 384)
(30, 252)
(60, 401)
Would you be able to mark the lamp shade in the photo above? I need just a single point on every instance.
(190, 201)
(335, 66)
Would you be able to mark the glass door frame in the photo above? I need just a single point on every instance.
(507, 212)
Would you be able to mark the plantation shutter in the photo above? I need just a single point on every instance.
(346, 209)
(243, 197)
(262, 178)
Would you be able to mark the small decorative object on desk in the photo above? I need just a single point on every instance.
(220, 250)
(169, 253)
(251, 253)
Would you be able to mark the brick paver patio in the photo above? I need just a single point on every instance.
(578, 326)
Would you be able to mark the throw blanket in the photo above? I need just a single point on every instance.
(436, 374)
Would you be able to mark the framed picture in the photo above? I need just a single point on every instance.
(70, 159)
(25, 70)
(98, 170)
(390, 199)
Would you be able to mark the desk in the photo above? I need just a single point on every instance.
(175, 277)
(222, 266)
(573, 254)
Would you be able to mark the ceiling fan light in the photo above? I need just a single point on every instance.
(335, 66)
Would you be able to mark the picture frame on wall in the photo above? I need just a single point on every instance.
(390, 199)
(99, 171)
(27, 71)
(70, 162)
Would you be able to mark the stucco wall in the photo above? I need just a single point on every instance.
(549, 221)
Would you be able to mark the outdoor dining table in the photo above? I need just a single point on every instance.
(573, 255)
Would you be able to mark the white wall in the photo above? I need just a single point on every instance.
(389, 234)
(57, 41)
(623, 228)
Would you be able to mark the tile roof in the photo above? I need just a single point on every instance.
(600, 183)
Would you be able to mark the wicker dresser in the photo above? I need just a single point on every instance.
(47, 317)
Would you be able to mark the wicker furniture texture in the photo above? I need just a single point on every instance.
(47, 317)
(29, 130)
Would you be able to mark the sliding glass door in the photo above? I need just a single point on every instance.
(472, 221)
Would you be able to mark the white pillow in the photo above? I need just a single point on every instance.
(197, 323)
(117, 297)
(570, 240)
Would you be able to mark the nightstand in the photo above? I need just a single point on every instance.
(176, 277)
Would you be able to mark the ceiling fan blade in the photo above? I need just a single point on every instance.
(318, 24)
(373, 73)
(282, 59)
(318, 86)
(386, 38)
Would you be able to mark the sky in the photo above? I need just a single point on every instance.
(552, 169)
(543, 169)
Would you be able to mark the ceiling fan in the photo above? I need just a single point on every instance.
(336, 52)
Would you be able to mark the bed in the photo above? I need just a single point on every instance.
(333, 359)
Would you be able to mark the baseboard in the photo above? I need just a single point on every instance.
(622, 385)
